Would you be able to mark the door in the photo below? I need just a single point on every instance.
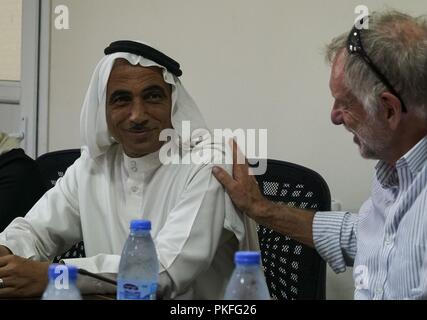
(19, 64)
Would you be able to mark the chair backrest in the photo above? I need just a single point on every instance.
(52, 166)
(292, 270)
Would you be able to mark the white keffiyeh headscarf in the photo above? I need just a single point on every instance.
(93, 122)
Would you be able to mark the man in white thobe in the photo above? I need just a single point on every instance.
(133, 95)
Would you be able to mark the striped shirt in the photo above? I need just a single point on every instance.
(387, 241)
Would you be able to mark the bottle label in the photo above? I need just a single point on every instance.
(136, 290)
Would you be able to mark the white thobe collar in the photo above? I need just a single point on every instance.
(142, 166)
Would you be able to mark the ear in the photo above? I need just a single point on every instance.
(392, 109)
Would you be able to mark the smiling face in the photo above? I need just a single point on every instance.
(138, 107)
(370, 133)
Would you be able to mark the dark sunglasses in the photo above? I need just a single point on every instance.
(354, 46)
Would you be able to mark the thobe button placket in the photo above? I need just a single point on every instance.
(133, 166)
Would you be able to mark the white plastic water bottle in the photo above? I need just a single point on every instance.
(247, 281)
(139, 267)
(62, 283)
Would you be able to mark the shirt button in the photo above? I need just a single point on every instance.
(134, 169)
(379, 292)
(388, 240)
(134, 189)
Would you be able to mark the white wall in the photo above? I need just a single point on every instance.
(248, 64)
(10, 39)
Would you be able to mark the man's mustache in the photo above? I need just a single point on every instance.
(139, 127)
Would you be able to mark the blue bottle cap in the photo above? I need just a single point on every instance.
(140, 225)
(63, 270)
(247, 257)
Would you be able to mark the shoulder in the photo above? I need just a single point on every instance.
(209, 155)
(16, 159)
(197, 163)
(14, 155)
(106, 161)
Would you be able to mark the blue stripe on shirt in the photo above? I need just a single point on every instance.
(387, 240)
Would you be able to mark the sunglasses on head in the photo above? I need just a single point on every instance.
(354, 46)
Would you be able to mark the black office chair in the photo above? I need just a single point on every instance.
(292, 270)
(52, 166)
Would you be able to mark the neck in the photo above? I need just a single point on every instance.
(404, 144)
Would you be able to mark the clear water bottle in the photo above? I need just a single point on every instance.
(247, 281)
(139, 267)
(62, 283)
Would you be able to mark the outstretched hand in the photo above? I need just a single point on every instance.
(246, 196)
(242, 187)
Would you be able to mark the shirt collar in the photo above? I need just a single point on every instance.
(415, 159)
(386, 174)
(142, 165)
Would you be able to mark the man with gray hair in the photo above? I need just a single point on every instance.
(379, 83)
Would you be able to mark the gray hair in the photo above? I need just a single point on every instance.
(397, 44)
